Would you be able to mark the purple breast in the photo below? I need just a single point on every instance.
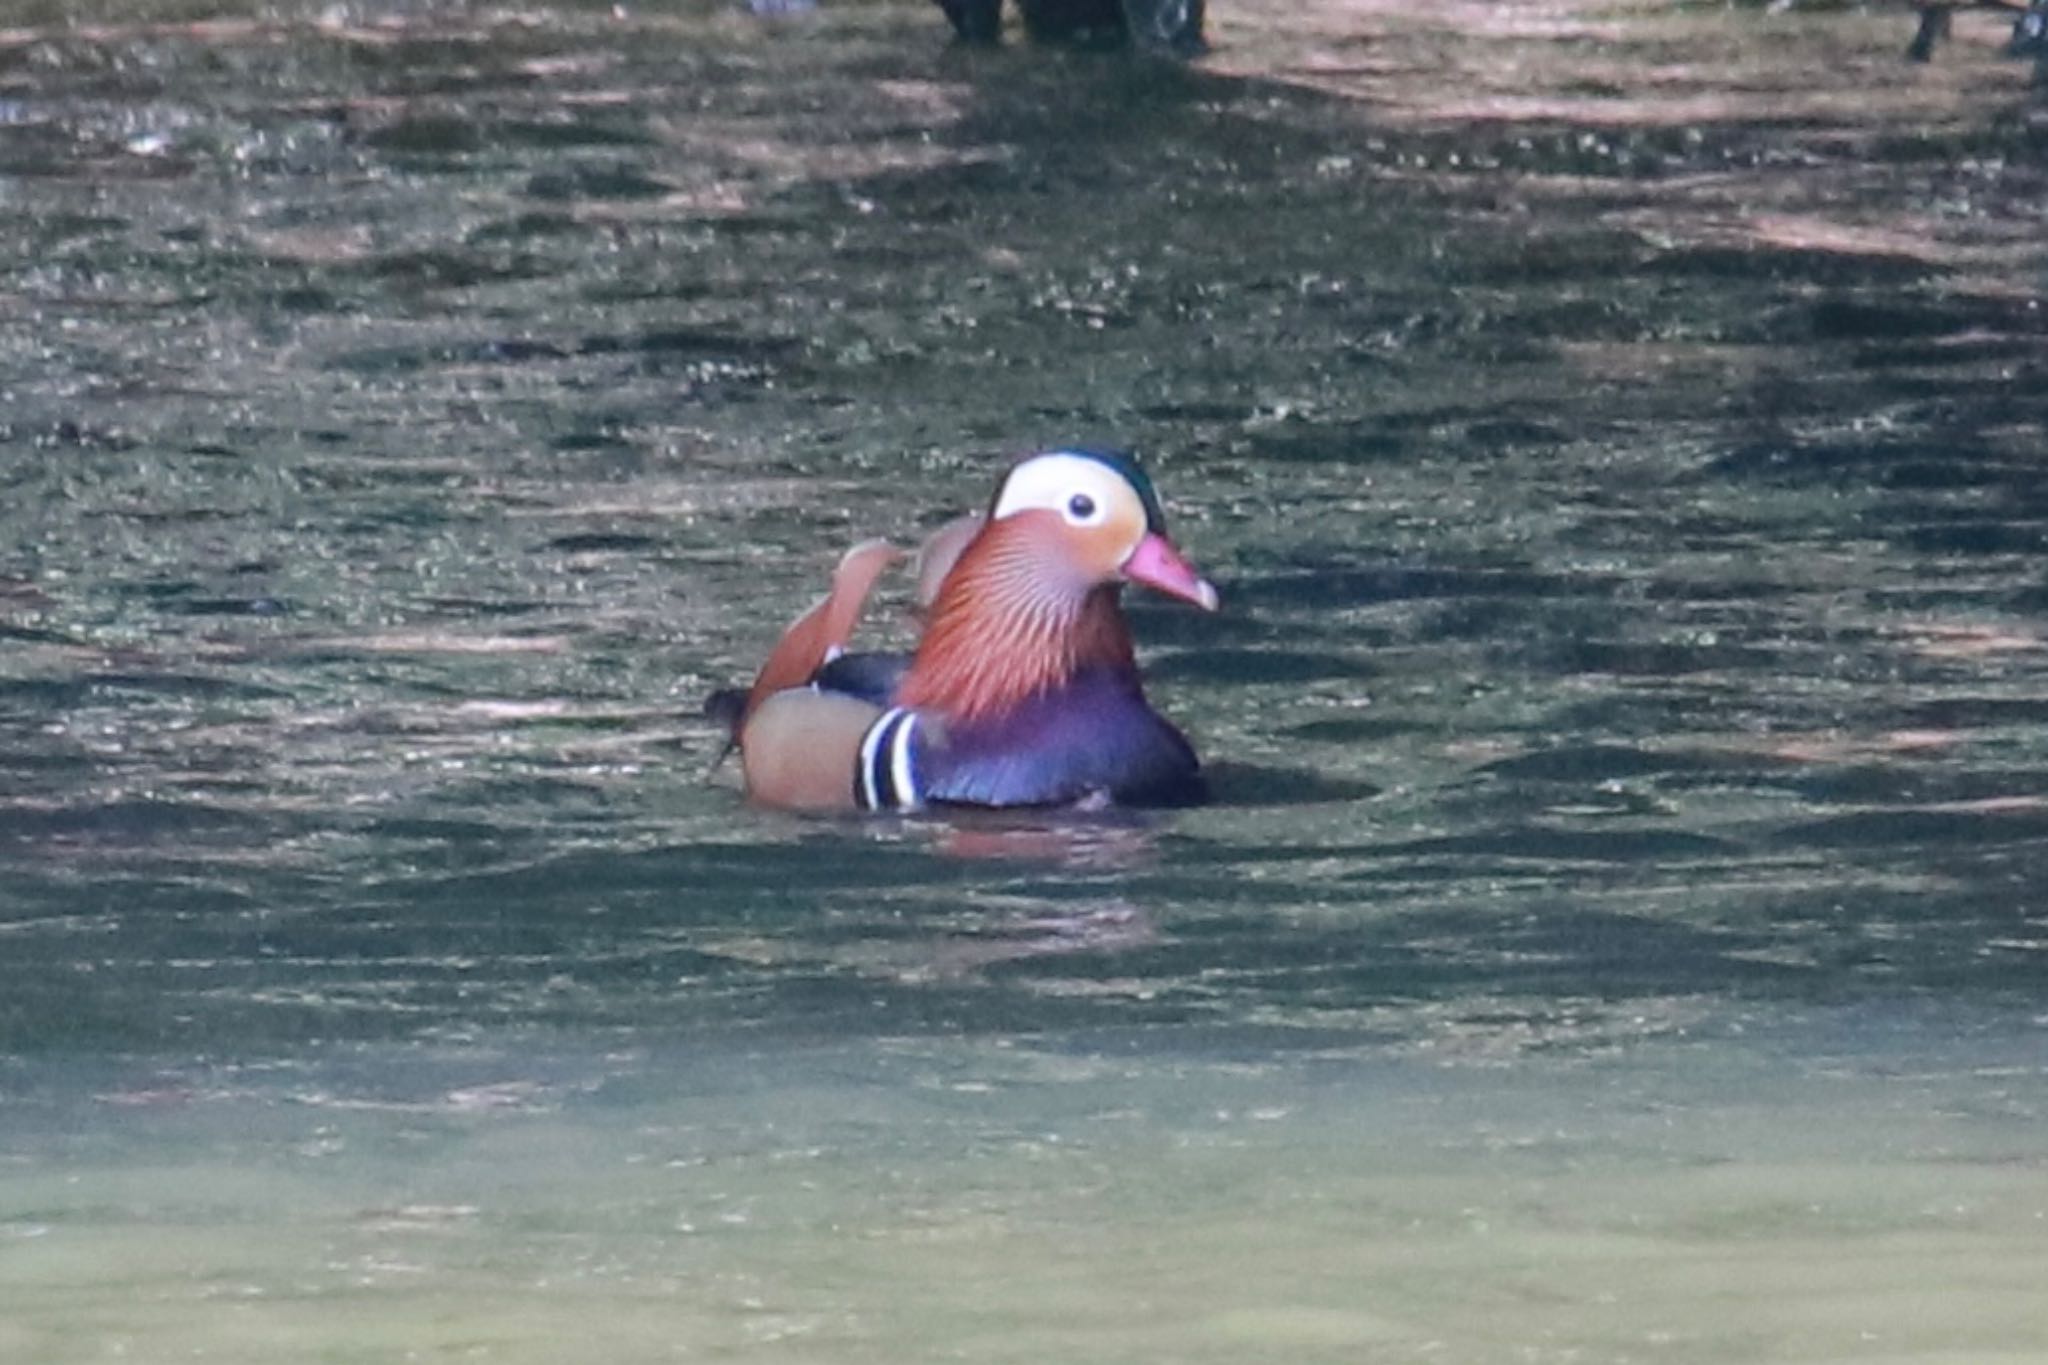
(1094, 735)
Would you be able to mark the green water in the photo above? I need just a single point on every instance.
(1135, 1201)
(1615, 431)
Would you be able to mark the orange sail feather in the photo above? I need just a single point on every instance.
(820, 634)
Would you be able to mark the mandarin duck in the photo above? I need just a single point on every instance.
(1023, 689)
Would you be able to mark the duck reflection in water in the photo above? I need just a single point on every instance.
(1026, 932)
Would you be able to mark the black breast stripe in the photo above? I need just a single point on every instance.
(887, 780)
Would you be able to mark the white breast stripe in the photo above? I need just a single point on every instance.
(888, 778)
(902, 775)
(870, 796)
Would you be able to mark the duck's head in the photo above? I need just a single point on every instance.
(1080, 519)
(1030, 599)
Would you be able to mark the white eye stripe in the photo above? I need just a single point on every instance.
(1064, 483)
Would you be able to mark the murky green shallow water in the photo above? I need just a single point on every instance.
(1617, 431)
(1135, 1198)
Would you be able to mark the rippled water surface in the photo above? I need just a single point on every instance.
(1617, 431)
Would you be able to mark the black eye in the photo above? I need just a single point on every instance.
(1080, 507)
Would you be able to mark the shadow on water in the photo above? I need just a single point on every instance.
(1577, 527)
